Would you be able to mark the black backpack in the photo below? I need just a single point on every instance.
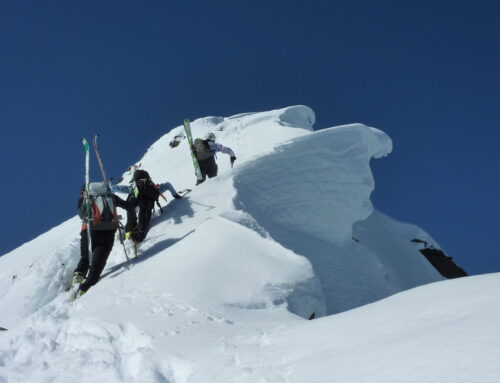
(144, 186)
(202, 149)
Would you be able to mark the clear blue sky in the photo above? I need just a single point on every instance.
(425, 72)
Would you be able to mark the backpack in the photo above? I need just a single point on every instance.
(102, 207)
(144, 186)
(202, 149)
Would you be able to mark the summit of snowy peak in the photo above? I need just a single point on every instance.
(249, 135)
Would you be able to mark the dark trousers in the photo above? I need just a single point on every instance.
(131, 214)
(145, 211)
(208, 169)
(102, 244)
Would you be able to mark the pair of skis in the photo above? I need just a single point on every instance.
(187, 128)
(88, 217)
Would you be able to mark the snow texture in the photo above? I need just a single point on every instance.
(228, 275)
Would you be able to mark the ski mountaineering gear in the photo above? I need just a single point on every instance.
(99, 159)
(102, 241)
(121, 235)
(78, 279)
(197, 171)
(97, 208)
(204, 151)
(103, 214)
(87, 202)
(143, 193)
(144, 186)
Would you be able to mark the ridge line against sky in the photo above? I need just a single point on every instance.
(425, 73)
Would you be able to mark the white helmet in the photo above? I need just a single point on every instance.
(210, 136)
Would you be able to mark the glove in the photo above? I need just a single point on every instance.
(177, 196)
(233, 158)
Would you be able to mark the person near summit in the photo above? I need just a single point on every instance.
(143, 193)
(205, 151)
(98, 210)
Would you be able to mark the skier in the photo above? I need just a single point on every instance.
(143, 193)
(204, 151)
(103, 225)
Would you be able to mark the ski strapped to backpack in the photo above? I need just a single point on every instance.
(87, 214)
(187, 128)
(103, 213)
(99, 159)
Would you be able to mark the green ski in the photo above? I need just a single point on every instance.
(187, 128)
(88, 218)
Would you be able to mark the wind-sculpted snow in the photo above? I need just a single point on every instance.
(309, 193)
(227, 275)
(405, 268)
(319, 184)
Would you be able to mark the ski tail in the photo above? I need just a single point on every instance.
(104, 178)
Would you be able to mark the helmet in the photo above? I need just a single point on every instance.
(210, 136)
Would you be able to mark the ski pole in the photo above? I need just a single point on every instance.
(120, 227)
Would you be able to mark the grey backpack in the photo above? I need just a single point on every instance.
(102, 207)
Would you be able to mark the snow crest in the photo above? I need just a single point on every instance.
(227, 275)
(319, 184)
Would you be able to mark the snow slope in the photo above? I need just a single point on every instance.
(226, 276)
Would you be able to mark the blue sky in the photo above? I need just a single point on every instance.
(426, 72)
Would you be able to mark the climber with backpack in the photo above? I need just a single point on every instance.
(97, 209)
(205, 150)
(143, 193)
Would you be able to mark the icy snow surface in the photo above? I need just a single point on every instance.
(227, 275)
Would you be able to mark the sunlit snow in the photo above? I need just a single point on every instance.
(227, 277)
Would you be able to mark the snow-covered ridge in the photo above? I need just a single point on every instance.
(319, 184)
(288, 232)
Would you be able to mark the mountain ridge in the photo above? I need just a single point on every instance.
(289, 231)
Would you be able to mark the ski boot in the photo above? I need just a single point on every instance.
(78, 279)
(138, 236)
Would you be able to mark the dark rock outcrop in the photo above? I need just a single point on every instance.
(441, 262)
